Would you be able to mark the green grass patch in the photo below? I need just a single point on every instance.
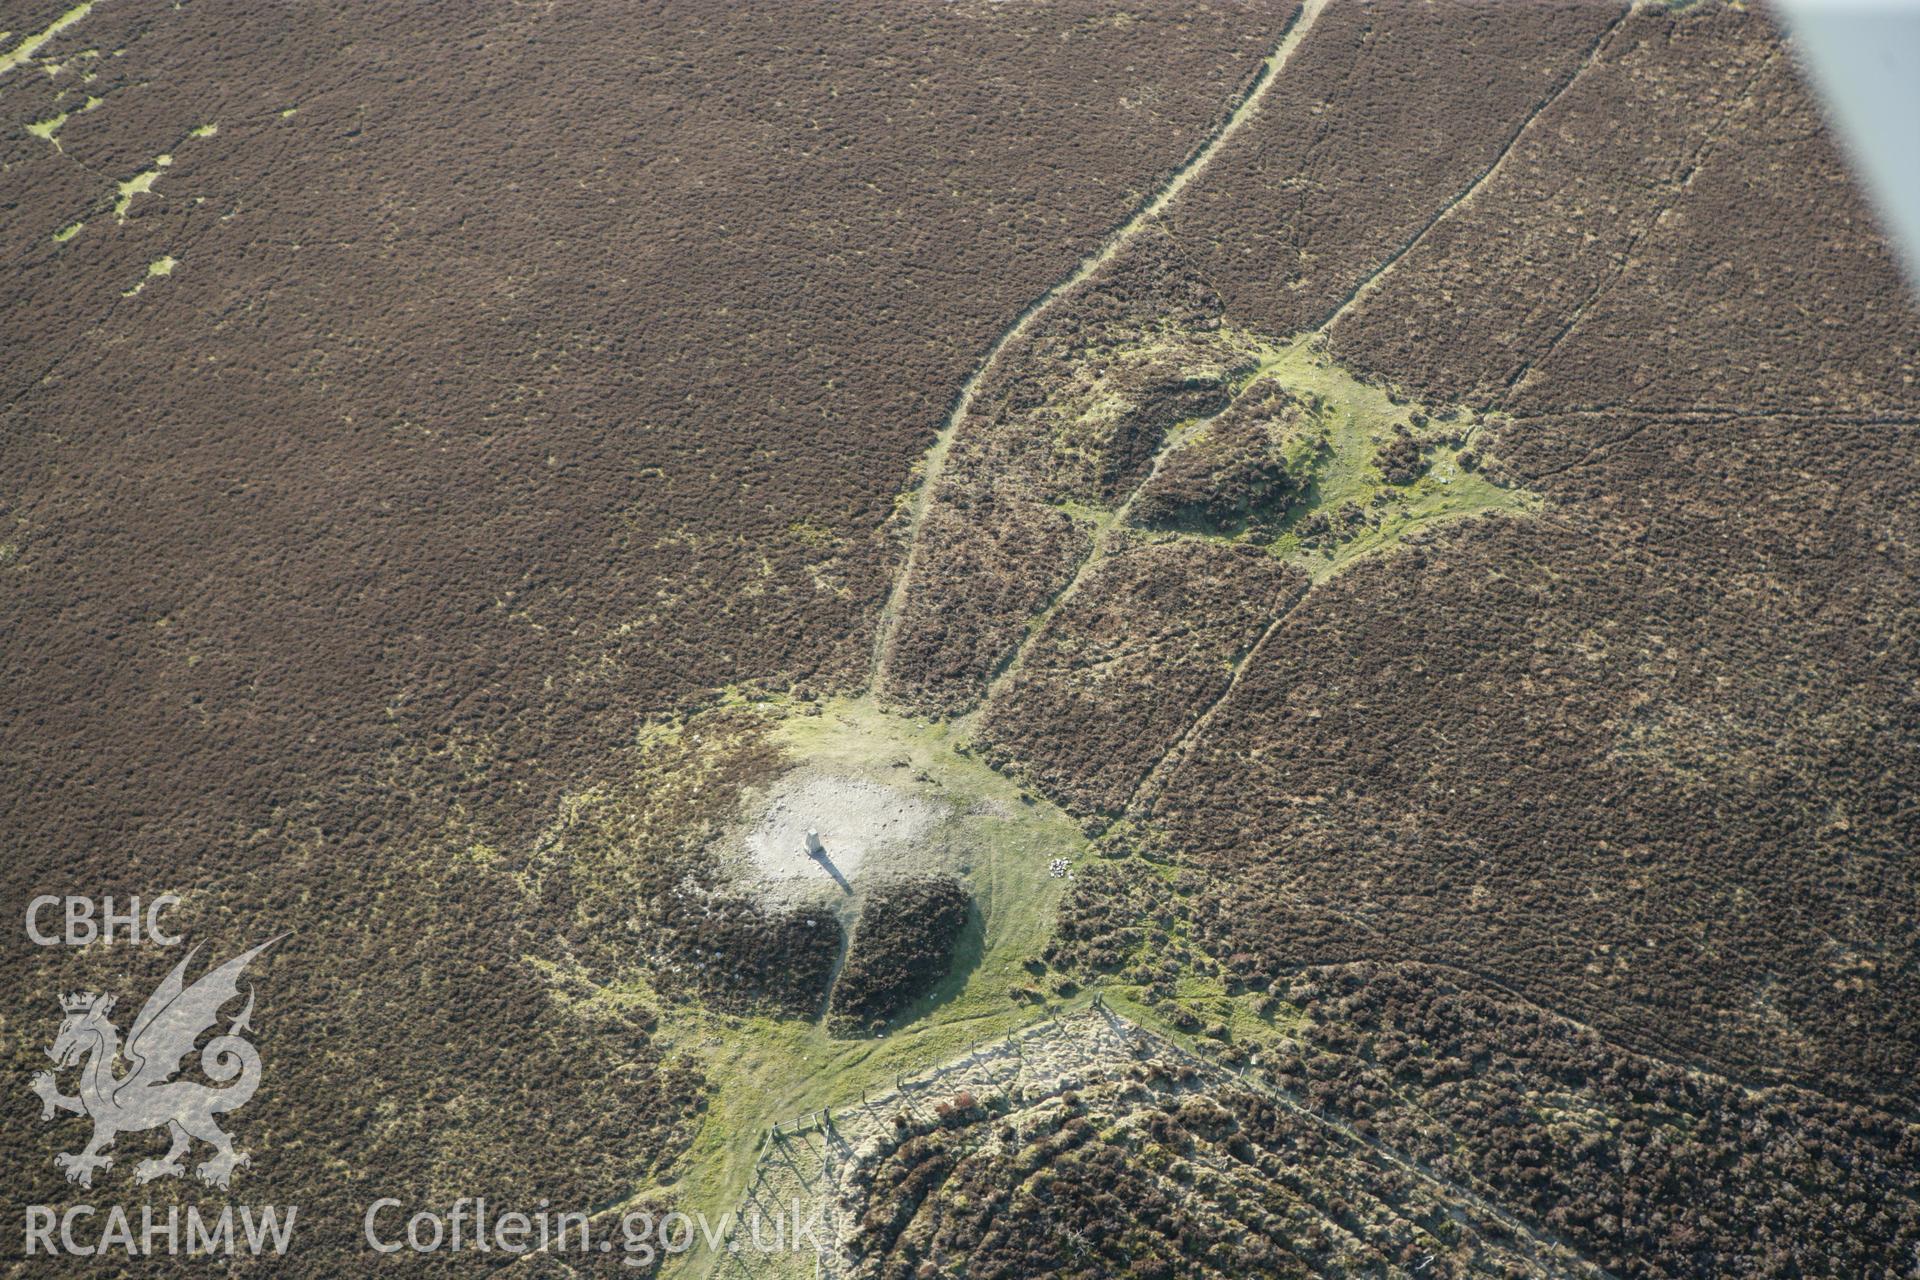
(764, 1069)
(138, 185)
(46, 129)
(158, 267)
(1360, 419)
(25, 50)
(1354, 422)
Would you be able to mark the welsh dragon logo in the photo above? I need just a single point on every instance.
(147, 1096)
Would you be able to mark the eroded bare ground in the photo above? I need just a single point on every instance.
(819, 833)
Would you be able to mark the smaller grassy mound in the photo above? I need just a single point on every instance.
(1113, 397)
(1242, 470)
(1318, 467)
(1113, 446)
(902, 947)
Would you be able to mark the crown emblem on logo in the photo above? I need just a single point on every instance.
(144, 1095)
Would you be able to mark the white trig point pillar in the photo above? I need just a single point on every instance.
(814, 847)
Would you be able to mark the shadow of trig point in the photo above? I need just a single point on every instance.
(818, 852)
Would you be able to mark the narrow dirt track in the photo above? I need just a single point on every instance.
(1117, 240)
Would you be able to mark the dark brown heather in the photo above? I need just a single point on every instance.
(1387, 112)
(522, 373)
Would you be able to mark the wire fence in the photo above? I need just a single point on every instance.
(805, 1155)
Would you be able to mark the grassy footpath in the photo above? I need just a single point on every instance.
(763, 1070)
